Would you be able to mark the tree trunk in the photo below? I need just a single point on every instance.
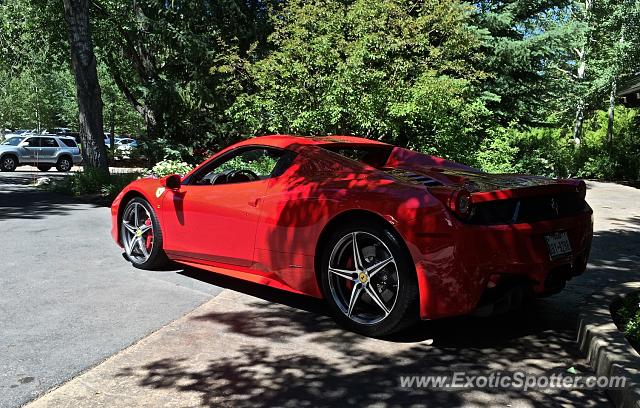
(88, 91)
(577, 129)
(112, 129)
(612, 105)
(582, 67)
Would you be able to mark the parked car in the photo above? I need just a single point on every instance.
(127, 141)
(57, 131)
(384, 234)
(43, 152)
(107, 140)
(20, 132)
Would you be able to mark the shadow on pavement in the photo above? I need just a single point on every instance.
(17, 202)
(538, 340)
(259, 375)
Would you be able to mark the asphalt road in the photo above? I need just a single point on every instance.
(68, 299)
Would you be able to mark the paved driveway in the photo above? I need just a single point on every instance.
(254, 346)
(67, 297)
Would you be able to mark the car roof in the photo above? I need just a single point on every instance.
(284, 141)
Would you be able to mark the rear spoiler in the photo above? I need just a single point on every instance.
(559, 187)
(460, 200)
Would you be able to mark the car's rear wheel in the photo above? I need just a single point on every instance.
(141, 235)
(8, 163)
(369, 280)
(44, 168)
(64, 164)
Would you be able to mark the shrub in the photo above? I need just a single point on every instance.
(93, 182)
(548, 151)
(167, 167)
(628, 315)
(540, 151)
(117, 183)
(89, 181)
(617, 160)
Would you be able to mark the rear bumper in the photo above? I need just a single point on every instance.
(455, 269)
(77, 159)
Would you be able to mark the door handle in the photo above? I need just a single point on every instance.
(254, 203)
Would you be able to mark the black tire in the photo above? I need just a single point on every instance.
(157, 257)
(404, 311)
(8, 162)
(64, 164)
(44, 168)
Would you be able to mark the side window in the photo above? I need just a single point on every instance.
(69, 142)
(249, 164)
(32, 142)
(48, 142)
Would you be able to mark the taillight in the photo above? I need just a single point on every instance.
(460, 204)
(458, 201)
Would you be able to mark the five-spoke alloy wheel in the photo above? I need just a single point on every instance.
(368, 280)
(141, 236)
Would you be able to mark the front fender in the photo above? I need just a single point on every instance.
(145, 188)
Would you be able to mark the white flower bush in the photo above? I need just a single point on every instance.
(166, 167)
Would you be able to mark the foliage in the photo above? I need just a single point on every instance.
(617, 160)
(38, 87)
(542, 151)
(551, 152)
(491, 83)
(530, 57)
(179, 63)
(396, 71)
(93, 182)
(628, 314)
(167, 167)
(260, 166)
(117, 183)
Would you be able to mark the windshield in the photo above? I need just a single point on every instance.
(13, 141)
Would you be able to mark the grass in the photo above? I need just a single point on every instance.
(93, 184)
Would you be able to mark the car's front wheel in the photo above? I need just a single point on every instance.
(141, 235)
(8, 163)
(369, 280)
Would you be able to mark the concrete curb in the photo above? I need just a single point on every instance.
(608, 351)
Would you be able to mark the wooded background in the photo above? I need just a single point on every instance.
(509, 86)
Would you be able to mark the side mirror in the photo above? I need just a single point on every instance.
(171, 182)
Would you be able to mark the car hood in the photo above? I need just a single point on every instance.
(7, 148)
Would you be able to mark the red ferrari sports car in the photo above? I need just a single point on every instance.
(386, 235)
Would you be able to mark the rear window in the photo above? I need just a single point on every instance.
(374, 156)
(69, 142)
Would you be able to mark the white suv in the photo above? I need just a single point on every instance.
(43, 152)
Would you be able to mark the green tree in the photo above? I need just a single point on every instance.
(531, 59)
(179, 63)
(396, 71)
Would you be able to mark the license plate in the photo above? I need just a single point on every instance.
(558, 244)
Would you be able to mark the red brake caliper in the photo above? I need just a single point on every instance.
(350, 265)
(149, 236)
